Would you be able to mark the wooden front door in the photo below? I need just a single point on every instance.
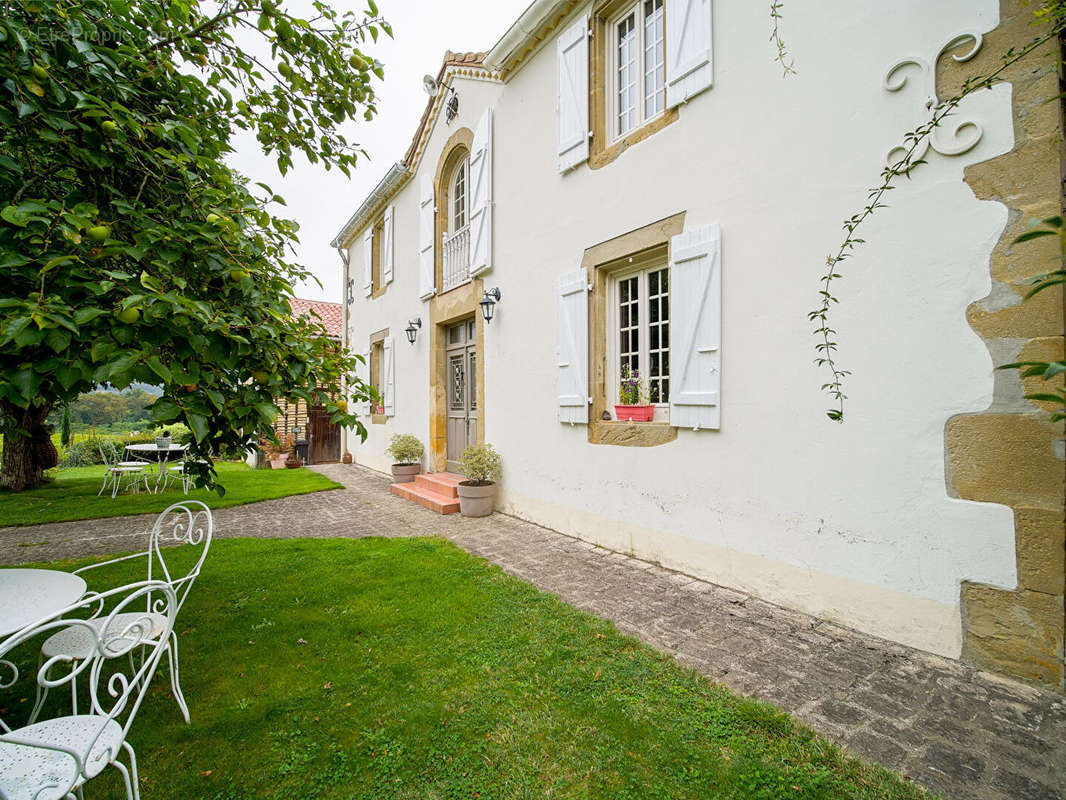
(461, 364)
(324, 437)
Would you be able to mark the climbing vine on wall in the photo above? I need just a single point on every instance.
(783, 58)
(1053, 15)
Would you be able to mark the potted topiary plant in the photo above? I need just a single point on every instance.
(406, 452)
(633, 402)
(477, 494)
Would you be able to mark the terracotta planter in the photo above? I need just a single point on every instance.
(476, 501)
(634, 413)
(347, 459)
(293, 463)
(405, 473)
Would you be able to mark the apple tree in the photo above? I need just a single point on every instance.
(129, 250)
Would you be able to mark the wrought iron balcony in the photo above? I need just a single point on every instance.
(456, 258)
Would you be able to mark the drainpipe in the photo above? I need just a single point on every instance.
(344, 316)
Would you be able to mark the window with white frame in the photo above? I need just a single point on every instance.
(639, 333)
(638, 66)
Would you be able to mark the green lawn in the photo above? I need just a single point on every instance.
(405, 668)
(73, 494)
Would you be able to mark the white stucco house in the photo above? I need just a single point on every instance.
(645, 189)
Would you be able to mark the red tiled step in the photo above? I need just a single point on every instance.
(427, 498)
(441, 482)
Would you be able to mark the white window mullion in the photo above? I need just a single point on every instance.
(654, 60)
(645, 363)
(621, 332)
(627, 66)
(636, 93)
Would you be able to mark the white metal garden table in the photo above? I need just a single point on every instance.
(154, 454)
(28, 595)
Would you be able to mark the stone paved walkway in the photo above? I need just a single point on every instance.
(953, 729)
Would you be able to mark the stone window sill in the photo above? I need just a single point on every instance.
(602, 157)
(631, 434)
(442, 291)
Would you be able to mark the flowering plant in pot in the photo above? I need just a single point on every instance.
(480, 464)
(406, 452)
(633, 402)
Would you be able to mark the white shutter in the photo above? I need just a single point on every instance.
(388, 372)
(426, 220)
(572, 55)
(481, 196)
(387, 258)
(689, 67)
(368, 261)
(696, 328)
(362, 372)
(572, 350)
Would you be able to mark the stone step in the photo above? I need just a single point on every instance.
(441, 482)
(427, 498)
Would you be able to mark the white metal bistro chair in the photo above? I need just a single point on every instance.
(182, 472)
(120, 474)
(54, 758)
(188, 523)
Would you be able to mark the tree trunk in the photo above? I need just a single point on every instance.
(28, 448)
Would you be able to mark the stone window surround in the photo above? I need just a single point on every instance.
(601, 260)
(455, 151)
(377, 351)
(447, 308)
(602, 150)
(377, 287)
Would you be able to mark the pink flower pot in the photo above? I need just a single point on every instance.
(634, 413)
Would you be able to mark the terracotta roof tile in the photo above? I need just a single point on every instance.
(330, 314)
(464, 59)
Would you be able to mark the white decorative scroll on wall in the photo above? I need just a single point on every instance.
(959, 136)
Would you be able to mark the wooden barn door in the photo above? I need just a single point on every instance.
(324, 436)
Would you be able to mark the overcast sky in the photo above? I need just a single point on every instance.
(323, 201)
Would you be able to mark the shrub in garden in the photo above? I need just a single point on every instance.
(82, 453)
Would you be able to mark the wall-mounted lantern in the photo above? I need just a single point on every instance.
(488, 303)
(412, 329)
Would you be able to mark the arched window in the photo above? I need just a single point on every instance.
(458, 195)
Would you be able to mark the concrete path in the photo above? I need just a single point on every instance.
(964, 733)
